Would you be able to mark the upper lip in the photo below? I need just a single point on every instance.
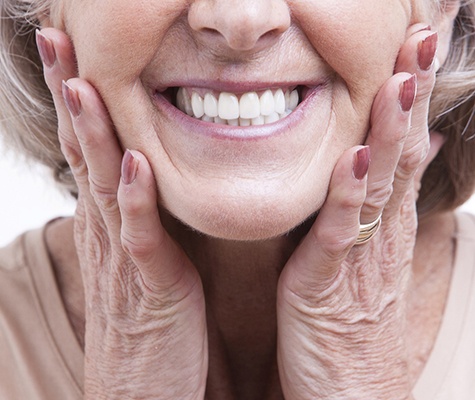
(235, 87)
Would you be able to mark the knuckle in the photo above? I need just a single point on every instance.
(88, 141)
(378, 196)
(413, 158)
(132, 205)
(98, 244)
(374, 208)
(334, 243)
(77, 165)
(69, 147)
(352, 200)
(80, 172)
(104, 196)
(136, 246)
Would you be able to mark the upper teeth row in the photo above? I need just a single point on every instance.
(249, 109)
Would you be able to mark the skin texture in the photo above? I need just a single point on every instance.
(257, 184)
(172, 313)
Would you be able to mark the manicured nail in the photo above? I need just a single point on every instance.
(45, 49)
(130, 166)
(71, 99)
(426, 51)
(407, 93)
(361, 163)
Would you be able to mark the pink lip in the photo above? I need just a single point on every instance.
(217, 131)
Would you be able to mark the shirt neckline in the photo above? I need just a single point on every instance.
(439, 363)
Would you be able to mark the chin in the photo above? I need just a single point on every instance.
(248, 219)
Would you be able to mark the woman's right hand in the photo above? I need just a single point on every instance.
(145, 311)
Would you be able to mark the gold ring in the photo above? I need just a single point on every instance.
(367, 231)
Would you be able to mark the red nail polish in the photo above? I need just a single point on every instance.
(407, 93)
(361, 163)
(426, 51)
(130, 166)
(45, 49)
(71, 99)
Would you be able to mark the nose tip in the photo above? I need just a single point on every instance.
(242, 25)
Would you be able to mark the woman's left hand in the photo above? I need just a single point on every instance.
(341, 307)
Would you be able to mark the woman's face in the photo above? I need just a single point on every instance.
(244, 182)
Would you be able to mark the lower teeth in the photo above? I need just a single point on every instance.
(261, 120)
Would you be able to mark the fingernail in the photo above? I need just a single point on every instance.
(361, 163)
(426, 51)
(130, 167)
(407, 93)
(71, 99)
(45, 49)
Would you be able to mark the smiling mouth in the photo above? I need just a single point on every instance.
(245, 109)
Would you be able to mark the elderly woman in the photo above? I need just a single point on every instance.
(233, 161)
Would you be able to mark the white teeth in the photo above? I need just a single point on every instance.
(249, 105)
(184, 102)
(206, 118)
(271, 118)
(287, 99)
(228, 106)
(197, 105)
(258, 121)
(294, 100)
(279, 101)
(210, 105)
(267, 103)
(221, 121)
(244, 122)
(228, 109)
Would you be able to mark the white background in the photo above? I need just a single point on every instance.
(29, 197)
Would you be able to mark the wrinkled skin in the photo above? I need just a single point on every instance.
(147, 288)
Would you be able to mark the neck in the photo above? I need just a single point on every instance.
(240, 283)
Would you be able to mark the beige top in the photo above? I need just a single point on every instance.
(40, 357)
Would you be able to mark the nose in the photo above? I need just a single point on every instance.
(241, 25)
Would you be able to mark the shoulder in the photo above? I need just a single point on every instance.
(12, 256)
(39, 355)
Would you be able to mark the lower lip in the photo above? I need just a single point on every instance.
(228, 132)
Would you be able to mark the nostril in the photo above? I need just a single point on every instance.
(241, 25)
(210, 31)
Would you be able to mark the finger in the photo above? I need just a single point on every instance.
(59, 63)
(99, 146)
(316, 262)
(390, 120)
(162, 264)
(415, 28)
(417, 56)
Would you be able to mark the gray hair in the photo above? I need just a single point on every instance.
(28, 119)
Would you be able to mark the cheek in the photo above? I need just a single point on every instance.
(115, 40)
(360, 40)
